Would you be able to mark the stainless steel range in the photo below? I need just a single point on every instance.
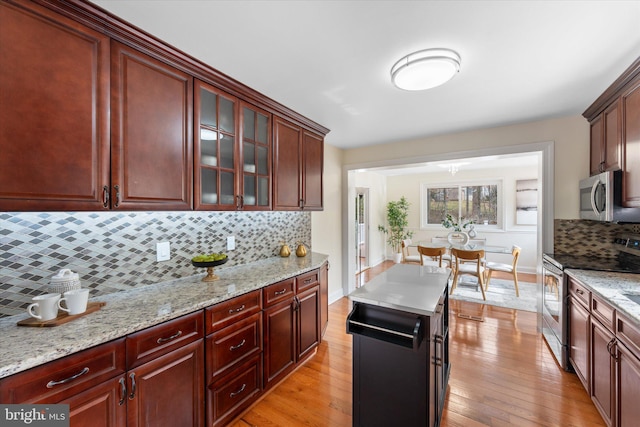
(555, 327)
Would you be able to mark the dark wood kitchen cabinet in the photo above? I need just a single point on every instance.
(292, 324)
(91, 382)
(297, 167)
(579, 330)
(602, 370)
(615, 132)
(233, 357)
(54, 109)
(627, 372)
(606, 140)
(165, 376)
(151, 133)
(255, 130)
(631, 178)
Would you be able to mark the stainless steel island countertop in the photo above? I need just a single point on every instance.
(407, 287)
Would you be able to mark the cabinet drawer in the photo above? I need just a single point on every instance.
(226, 313)
(603, 312)
(232, 344)
(307, 280)
(230, 395)
(57, 380)
(579, 292)
(158, 340)
(280, 291)
(629, 333)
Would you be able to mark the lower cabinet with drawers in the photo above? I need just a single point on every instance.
(605, 353)
(203, 368)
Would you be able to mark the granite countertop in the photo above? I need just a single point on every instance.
(405, 287)
(612, 287)
(130, 311)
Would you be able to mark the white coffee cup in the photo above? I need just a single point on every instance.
(75, 300)
(45, 307)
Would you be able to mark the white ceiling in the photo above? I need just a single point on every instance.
(330, 60)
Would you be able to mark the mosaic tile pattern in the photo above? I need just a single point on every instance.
(114, 251)
(591, 238)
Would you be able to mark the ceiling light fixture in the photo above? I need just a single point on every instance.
(453, 168)
(425, 69)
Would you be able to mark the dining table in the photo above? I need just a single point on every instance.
(468, 247)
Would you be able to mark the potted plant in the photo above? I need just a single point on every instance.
(397, 222)
(458, 227)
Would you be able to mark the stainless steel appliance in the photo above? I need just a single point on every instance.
(601, 199)
(555, 326)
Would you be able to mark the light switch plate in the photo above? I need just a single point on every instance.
(163, 251)
(231, 243)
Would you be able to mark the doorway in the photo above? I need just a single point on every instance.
(361, 232)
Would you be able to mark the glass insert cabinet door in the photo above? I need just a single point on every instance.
(256, 152)
(215, 148)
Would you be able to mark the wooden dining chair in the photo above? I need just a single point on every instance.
(435, 255)
(407, 258)
(507, 268)
(468, 263)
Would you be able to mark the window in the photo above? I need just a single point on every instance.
(480, 202)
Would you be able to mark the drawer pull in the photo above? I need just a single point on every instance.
(52, 384)
(580, 291)
(237, 310)
(235, 347)
(123, 391)
(172, 337)
(133, 385)
(307, 281)
(282, 292)
(235, 393)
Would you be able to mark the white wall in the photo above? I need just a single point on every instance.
(511, 234)
(326, 226)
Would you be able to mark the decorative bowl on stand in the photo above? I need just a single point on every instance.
(210, 277)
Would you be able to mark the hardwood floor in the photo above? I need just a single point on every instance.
(502, 374)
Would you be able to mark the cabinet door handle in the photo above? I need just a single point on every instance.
(117, 188)
(301, 203)
(297, 303)
(237, 310)
(105, 196)
(172, 337)
(235, 347)
(241, 202)
(282, 292)
(123, 391)
(52, 384)
(235, 393)
(132, 376)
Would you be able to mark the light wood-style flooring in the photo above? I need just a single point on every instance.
(502, 374)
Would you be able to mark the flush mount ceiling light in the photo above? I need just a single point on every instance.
(425, 69)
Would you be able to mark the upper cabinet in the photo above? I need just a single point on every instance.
(96, 114)
(615, 132)
(151, 137)
(54, 111)
(297, 167)
(216, 148)
(631, 177)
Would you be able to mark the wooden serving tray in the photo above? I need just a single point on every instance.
(63, 317)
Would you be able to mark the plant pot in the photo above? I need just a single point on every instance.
(397, 258)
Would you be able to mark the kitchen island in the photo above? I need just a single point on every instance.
(399, 324)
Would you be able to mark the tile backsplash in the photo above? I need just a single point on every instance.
(114, 251)
(591, 238)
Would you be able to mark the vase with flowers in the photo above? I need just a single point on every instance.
(458, 229)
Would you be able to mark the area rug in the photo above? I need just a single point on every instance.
(501, 293)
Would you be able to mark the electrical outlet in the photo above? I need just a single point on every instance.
(231, 243)
(163, 251)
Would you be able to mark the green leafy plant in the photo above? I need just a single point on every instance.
(449, 222)
(397, 222)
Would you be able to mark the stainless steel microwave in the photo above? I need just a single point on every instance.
(601, 196)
